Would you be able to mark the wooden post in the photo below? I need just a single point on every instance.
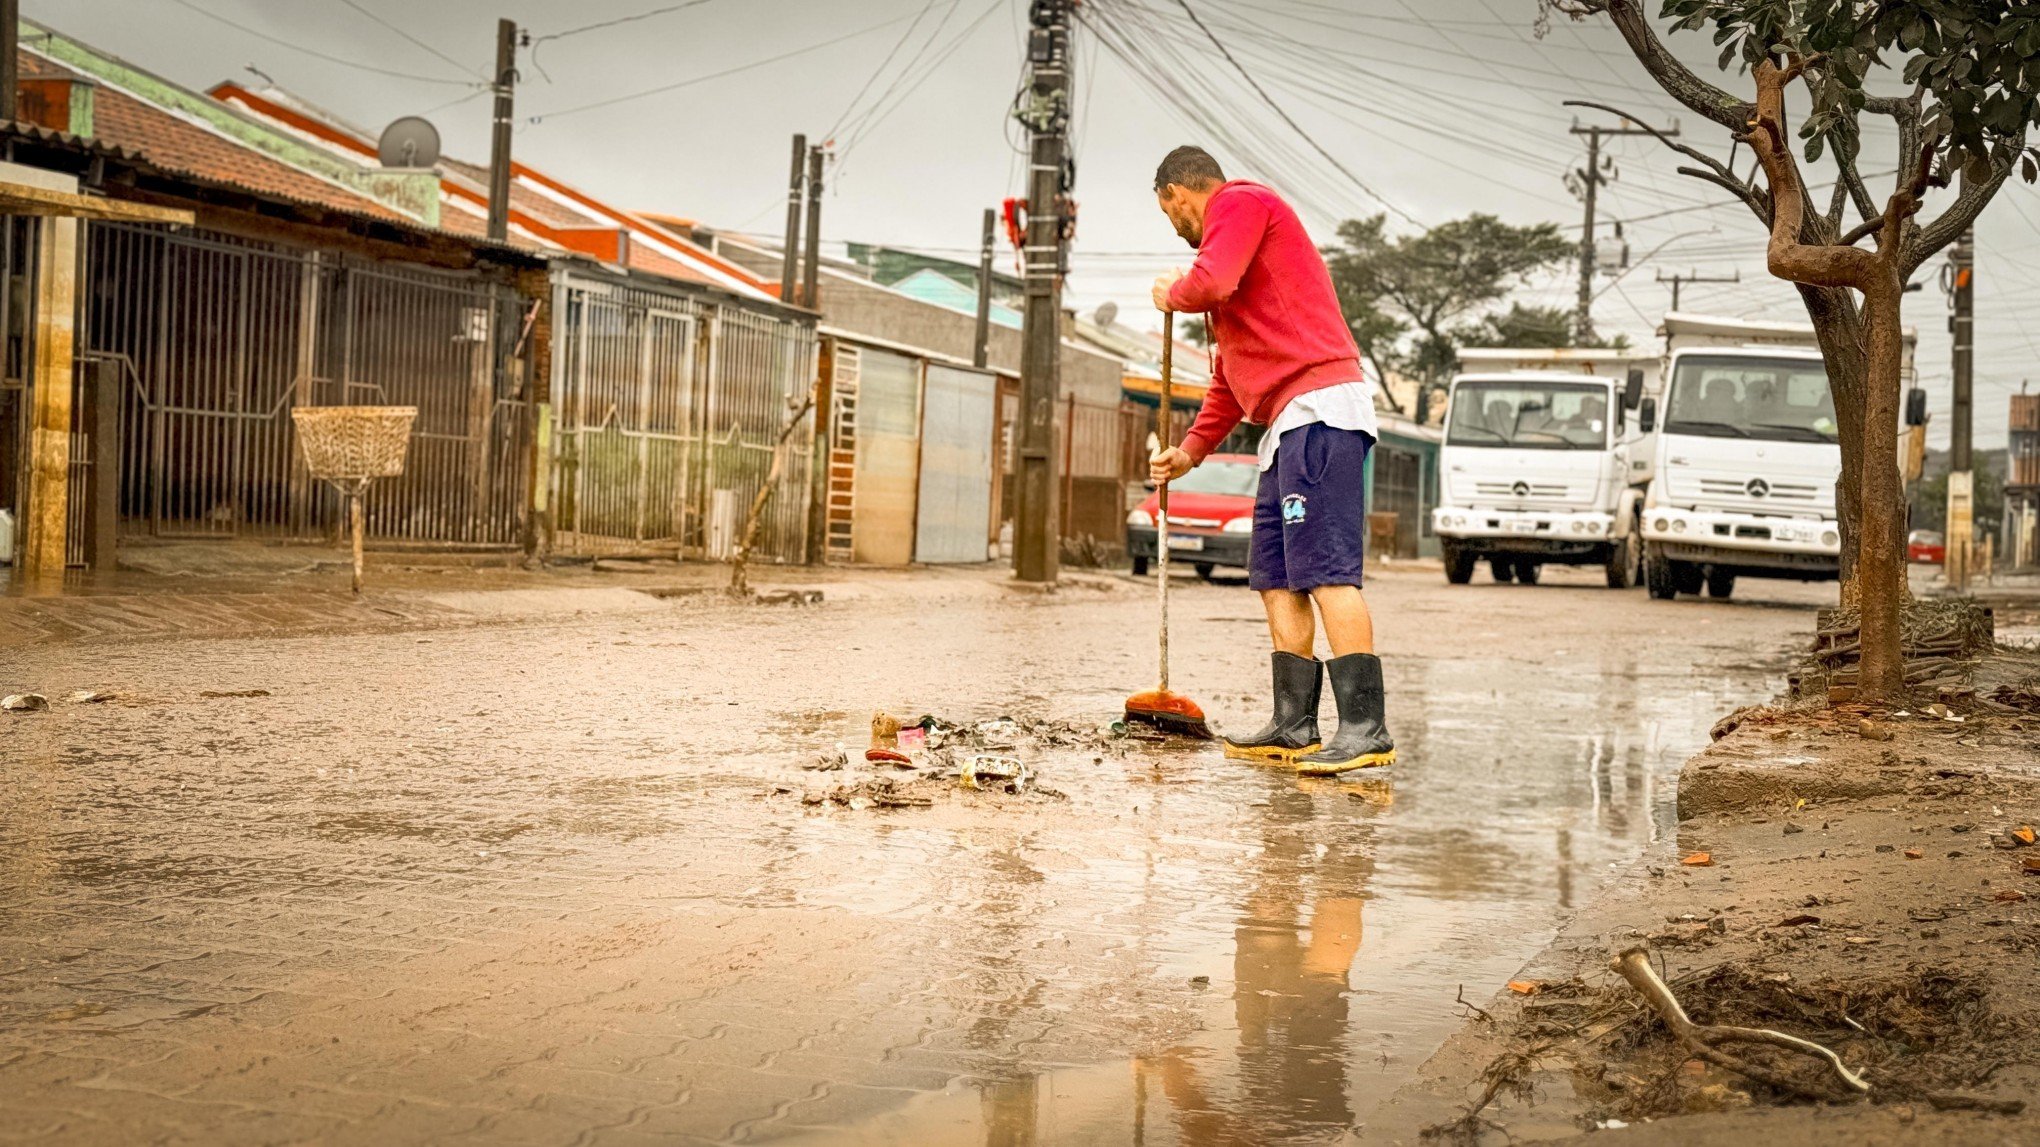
(50, 382)
(102, 518)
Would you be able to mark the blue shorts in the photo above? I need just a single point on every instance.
(1310, 515)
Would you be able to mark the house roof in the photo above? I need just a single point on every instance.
(137, 129)
(932, 286)
(543, 209)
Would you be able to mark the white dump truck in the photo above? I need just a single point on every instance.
(1747, 458)
(1545, 461)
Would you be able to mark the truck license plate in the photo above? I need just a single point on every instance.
(1523, 527)
(1185, 542)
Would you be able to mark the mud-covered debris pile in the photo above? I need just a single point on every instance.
(913, 765)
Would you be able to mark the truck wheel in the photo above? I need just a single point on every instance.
(1529, 572)
(1203, 570)
(1502, 569)
(1458, 564)
(1657, 575)
(1688, 576)
(1622, 563)
(1720, 583)
(1140, 567)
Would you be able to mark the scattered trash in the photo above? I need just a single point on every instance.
(828, 760)
(2023, 834)
(24, 703)
(219, 694)
(89, 697)
(1200, 981)
(885, 740)
(1526, 987)
(1699, 860)
(2008, 895)
(913, 738)
(1798, 921)
(1858, 940)
(1913, 854)
(1873, 731)
(1941, 712)
(2032, 866)
(1003, 774)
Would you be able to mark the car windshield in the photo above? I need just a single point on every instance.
(1214, 477)
(1529, 414)
(1784, 400)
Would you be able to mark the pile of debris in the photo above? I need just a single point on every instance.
(1942, 639)
(914, 764)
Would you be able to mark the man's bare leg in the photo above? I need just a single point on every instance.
(1348, 625)
(1290, 623)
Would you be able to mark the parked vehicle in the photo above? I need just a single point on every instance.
(1542, 467)
(1747, 459)
(1211, 516)
(1926, 547)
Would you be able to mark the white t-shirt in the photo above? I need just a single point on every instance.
(1344, 406)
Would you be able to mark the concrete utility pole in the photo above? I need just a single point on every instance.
(1694, 277)
(789, 265)
(499, 145)
(1045, 111)
(1961, 282)
(811, 273)
(983, 346)
(1585, 182)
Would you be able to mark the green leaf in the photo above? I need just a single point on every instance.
(2028, 170)
(1912, 34)
(1813, 148)
(1727, 54)
(1915, 68)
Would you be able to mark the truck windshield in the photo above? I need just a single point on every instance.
(1785, 400)
(1529, 414)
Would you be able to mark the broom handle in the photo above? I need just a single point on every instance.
(1162, 411)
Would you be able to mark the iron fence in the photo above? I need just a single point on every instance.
(667, 411)
(219, 337)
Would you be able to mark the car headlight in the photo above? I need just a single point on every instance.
(1579, 527)
(1596, 526)
(1830, 538)
(1244, 524)
(1679, 525)
(1661, 525)
(1140, 518)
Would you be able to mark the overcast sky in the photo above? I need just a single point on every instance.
(1438, 107)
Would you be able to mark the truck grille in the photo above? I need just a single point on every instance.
(1773, 491)
(1508, 490)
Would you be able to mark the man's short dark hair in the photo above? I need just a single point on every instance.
(1190, 167)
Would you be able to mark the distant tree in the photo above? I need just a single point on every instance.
(1426, 284)
(1531, 327)
(1194, 329)
(1970, 71)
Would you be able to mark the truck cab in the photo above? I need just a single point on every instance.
(1541, 467)
(1746, 471)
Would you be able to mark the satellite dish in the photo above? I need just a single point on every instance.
(408, 142)
(1106, 312)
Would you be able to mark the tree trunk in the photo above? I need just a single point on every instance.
(1880, 565)
(1838, 327)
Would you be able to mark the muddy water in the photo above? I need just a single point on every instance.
(541, 885)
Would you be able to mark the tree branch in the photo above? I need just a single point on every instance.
(1787, 255)
(1927, 241)
(1674, 77)
(1866, 227)
(1715, 172)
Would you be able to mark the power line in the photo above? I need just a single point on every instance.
(869, 122)
(885, 63)
(1293, 125)
(318, 55)
(692, 80)
(413, 39)
(600, 24)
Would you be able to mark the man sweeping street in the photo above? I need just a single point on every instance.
(1285, 361)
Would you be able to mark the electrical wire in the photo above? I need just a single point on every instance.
(612, 101)
(415, 40)
(541, 41)
(885, 63)
(881, 110)
(318, 55)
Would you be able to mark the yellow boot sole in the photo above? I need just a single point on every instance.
(1270, 754)
(1364, 761)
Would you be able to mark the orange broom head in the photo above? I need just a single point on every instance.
(1169, 712)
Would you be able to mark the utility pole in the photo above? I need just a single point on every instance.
(1961, 284)
(810, 290)
(10, 67)
(499, 146)
(789, 266)
(983, 346)
(1676, 280)
(1585, 183)
(1045, 111)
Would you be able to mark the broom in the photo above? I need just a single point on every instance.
(1169, 712)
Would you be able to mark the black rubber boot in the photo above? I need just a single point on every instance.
(1293, 732)
(1362, 741)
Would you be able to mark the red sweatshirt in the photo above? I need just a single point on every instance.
(1273, 313)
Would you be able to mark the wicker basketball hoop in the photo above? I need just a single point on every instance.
(351, 446)
(354, 443)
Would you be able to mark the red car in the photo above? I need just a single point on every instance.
(1926, 547)
(1211, 516)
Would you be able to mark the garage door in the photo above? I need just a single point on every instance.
(957, 412)
(888, 432)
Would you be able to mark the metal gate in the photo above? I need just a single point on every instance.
(667, 410)
(958, 424)
(219, 337)
(1398, 489)
(888, 447)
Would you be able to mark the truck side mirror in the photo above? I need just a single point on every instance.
(1632, 392)
(1646, 415)
(1915, 407)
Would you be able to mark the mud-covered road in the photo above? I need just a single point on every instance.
(555, 882)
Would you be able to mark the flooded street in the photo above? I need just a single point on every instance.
(539, 883)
